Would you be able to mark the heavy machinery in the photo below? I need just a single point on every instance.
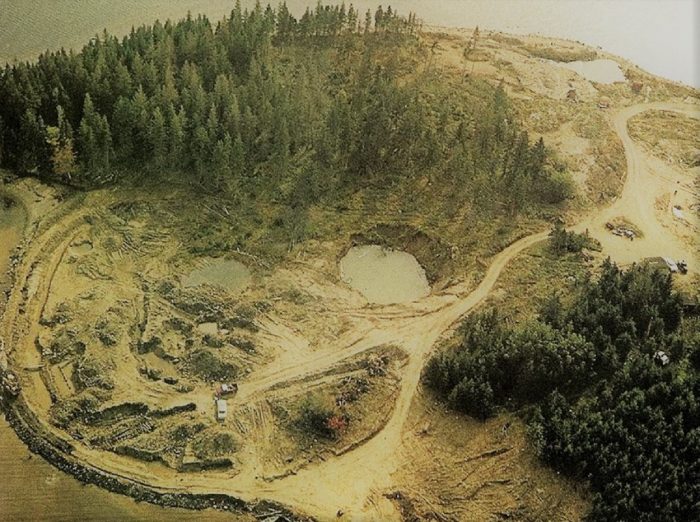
(227, 390)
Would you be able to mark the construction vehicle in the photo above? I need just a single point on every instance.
(227, 390)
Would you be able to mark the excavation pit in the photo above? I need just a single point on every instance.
(384, 276)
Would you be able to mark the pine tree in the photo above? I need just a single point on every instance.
(221, 162)
(2, 140)
(35, 153)
(141, 120)
(281, 144)
(95, 142)
(352, 19)
(304, 25)
(122, 84)
(379, 19)
(200, 147)
(538, 157)
(123, 124)
(213, 127)
(157, 139)
(238, 161)
(177, 149)
(168, 91)
(63, 154)
(368, 21)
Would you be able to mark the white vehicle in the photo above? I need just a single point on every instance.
(221, 409)
(672, 266)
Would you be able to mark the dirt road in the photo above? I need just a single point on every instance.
(357, 480)
(647, 182)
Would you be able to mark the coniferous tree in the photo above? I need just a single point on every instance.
(157, 139)
(123, 126)
(177, 129)
(379, 19)
(171, 92)
(63, 158)
(95, 141)
(34, 156)
(368, 21)
(221, 162)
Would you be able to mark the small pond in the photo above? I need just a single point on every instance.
(599, 71)
(384, 276)
(228, 274)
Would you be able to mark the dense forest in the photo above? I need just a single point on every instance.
(602, 404)
(264, 104)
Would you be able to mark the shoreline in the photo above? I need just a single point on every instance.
(437, 22)
(58, 453)
(560, 42)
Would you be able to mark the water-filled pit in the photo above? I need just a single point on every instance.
(228, 274)
(384, 276)
(599, 71)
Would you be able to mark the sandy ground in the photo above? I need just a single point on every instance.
(356, 481)
(648, 182)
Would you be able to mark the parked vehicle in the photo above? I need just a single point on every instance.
(227, 390)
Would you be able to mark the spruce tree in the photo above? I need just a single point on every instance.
(95, 142)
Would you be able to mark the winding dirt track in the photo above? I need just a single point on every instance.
(646, 182)
(354, 481)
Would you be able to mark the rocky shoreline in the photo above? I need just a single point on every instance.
(58, 452)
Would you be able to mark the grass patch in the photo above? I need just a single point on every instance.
(557, 54)
(668, 135)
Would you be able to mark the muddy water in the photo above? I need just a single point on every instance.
(228, 274)
(32, 489)
(384, 276)
(600, 71)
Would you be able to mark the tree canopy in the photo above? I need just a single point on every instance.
(605, 409)
(262, 102)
